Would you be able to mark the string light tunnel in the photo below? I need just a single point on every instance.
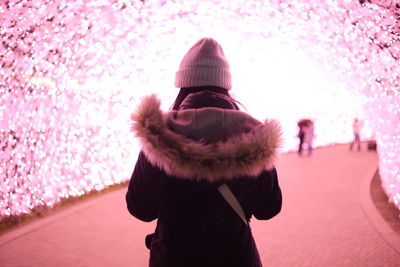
(73, 71)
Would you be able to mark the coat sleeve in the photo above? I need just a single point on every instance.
(142, 197)
(268, 196)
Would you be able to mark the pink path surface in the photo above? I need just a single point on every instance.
(327, 220)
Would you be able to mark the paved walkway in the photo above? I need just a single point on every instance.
(327, 220)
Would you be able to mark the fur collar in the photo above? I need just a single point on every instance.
(246, 149)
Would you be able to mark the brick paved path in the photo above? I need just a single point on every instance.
(323, 223)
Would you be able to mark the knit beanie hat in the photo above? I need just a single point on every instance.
(204, 65)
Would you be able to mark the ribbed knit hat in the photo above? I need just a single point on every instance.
(204, 65)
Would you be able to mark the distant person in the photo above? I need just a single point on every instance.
(300, 135)
(356, 131)
(309, 136)
(305, 135)
(204, 170)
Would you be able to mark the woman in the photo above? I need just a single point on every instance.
(188, 154)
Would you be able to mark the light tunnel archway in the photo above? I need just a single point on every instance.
(73, 71)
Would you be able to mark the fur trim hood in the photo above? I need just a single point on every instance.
(209, 144)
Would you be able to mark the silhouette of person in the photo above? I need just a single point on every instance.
(306, 135)
(356, 131)
(309, 136)
(301, 124)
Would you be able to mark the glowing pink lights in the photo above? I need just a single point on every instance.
(72, 71)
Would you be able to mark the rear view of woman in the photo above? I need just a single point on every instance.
(204, 170)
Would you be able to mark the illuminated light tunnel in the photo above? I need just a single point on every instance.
(73, 71)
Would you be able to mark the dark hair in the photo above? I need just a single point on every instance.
(185, 91)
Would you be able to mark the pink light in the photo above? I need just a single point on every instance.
(72, 73)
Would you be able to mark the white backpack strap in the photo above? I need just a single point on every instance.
(232, 201)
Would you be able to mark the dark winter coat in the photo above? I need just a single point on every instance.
(185, 156)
